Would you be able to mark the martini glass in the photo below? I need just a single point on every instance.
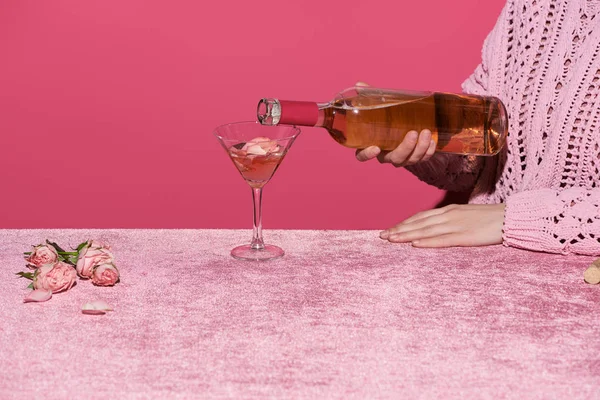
(257, 151)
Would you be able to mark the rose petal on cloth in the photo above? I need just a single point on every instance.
(93, 312)
(96, 308)
(37, 296)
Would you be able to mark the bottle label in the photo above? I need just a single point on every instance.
(305, 113)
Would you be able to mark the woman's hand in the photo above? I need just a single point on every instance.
(415, 147)
(454, 225)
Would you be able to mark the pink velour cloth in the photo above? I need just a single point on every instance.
(344, 315)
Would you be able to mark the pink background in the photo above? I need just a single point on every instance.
(107, 107)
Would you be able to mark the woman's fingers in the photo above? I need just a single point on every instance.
(428, 213)
(398, 156)
(367, 154)
(427, 231)
(414, 148)
(423, 144)
(447, 240)
(422, 216)
(430, 150)
(418, 224)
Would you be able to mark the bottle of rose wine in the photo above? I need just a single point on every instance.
(360, 117)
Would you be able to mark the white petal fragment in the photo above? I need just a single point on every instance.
(96, 308)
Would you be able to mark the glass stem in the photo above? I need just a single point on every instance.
(257, 239)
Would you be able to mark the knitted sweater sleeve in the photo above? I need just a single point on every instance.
(456, 172)
(565, 221)
(557, 207)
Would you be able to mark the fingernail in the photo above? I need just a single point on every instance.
(384, 234)
(413, 135)
(426, 135)
(397, 238)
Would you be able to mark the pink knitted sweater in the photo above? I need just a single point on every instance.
(543, 60)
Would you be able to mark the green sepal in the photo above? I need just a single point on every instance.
(56, 246)
(67, 260)
(26, 275)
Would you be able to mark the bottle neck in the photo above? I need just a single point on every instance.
(287, 112)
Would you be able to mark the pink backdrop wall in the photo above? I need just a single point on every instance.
(106, 107)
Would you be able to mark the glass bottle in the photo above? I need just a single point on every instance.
(360, 117)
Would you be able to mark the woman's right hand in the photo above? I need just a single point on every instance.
(416, 147)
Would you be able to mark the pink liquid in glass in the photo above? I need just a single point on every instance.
(256, 169)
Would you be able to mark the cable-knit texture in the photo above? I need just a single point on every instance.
(542, 59)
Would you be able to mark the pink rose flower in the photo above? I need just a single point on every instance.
(41, 255)
(105, 274)
(56, 278)
(91, 256)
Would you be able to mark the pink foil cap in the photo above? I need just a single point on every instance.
(305, 113)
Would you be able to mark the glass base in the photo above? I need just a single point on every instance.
(248, 253)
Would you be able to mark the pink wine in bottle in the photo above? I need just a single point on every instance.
(360, 117)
